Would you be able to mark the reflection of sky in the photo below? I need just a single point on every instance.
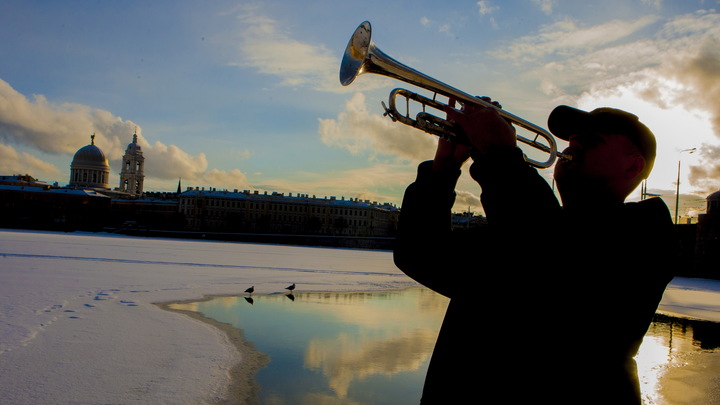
(373, 348)
(359, 347)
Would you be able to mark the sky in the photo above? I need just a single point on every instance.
(246, 95)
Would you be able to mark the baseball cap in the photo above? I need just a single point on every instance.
(565, 121)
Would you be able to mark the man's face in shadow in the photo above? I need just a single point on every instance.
(600, 161)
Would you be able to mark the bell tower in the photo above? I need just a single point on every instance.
(131, 174)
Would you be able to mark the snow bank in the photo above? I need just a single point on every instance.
(692, 298)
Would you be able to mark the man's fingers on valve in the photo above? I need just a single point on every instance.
(489, 100)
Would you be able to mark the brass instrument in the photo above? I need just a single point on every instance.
(362, 56)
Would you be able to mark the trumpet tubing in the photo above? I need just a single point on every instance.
(362, 56)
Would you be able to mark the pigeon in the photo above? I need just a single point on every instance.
(250, 290)
(292, 287)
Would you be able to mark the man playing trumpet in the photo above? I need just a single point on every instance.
(547, 302)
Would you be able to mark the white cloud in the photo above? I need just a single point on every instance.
(362, 133)
(674, 71)
(546, 5)
(656, 4)
(565, 38)
(264, 46)
(359, 131)
(380, 182)
(58, 128)
(62, 129)
(466, 200)
(12, 162)
(445, 29)
(485, 7)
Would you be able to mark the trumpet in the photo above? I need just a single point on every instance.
(362, 56)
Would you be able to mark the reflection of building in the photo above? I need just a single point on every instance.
(704, 335)
(131, 174)
(235, 211)
(89, 168)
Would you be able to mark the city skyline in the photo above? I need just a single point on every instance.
(245, 95)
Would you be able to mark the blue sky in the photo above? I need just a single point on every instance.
(245, 95)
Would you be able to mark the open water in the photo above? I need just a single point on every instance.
(374, 348)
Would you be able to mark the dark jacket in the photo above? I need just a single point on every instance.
(544, 303)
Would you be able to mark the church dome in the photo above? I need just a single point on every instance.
(89, 167)
(90, 156)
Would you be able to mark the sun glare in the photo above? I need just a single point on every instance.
(676, 127)
(652, 359)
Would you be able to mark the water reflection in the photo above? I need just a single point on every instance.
(679, 361)
(355, 348)
(373, 348)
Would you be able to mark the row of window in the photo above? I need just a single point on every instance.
(188, 205)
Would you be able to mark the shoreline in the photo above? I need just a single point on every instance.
(243, 387)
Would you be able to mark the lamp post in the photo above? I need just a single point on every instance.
(677, 186)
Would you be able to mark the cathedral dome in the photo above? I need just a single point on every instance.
(90, 156)
(89, 167)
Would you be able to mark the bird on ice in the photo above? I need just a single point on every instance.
(250, 290)
(291, 287)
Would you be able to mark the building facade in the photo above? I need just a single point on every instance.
(235, 211)
(30, 204)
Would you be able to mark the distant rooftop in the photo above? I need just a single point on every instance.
(300, 198)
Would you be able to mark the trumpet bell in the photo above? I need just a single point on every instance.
(355, 53)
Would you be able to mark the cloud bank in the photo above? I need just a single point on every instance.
(62, 128)
(264, 46)
(359, 131)
(671, 63)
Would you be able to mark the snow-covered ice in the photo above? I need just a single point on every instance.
(78, 324)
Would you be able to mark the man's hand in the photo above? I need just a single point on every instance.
(449, 157)
(484, 126)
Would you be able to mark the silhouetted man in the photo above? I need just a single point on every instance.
(547, 303)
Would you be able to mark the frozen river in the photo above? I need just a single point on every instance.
(79, 324)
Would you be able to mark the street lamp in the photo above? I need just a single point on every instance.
(677, 186)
